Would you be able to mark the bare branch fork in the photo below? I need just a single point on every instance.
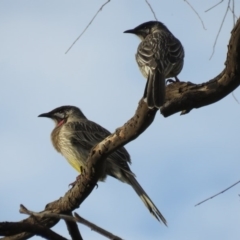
(180, 97)
(74, 219)
(85, 184)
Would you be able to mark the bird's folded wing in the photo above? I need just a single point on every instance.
(175, 49)
(147, 53)
(88, 134)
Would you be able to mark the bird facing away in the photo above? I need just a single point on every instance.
(74, 136)
(159, 56)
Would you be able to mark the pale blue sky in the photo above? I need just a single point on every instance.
(179, 160)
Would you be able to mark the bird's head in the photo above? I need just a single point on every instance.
(146, 28)
(63, 114)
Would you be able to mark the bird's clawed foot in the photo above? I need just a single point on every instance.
(74, 183)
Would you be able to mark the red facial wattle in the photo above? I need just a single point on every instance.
(60, 123)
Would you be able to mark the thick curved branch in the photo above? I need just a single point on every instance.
(179, 97)
(184, 96)
(10, 228)
(89, 177)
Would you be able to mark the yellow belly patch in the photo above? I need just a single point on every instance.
(75, 164)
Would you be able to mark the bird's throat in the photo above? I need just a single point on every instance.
(60, 123)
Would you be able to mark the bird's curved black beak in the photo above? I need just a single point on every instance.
(130, 31)
(48, 115)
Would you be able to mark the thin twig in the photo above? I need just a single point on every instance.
(217, 193)
(234, 22)
(96, 228)
(24, 210)
(196, 13)
(151, 10)
(234, 15)
(73, 229)
(233, 11)
(214, 6)
(8, 229)
(77, 218)
(235, 98)
(215, 42)
(88, 25)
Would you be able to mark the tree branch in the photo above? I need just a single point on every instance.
(184, 96)
(85, 29)
(89, 177)
(10, 228)
(180, 96)
(190, 5)
(215, 195)
(151, 9)
(96, 228)
(71, 219)
(73, 229)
